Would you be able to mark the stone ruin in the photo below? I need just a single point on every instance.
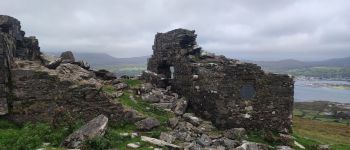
(229, 92)
(35, 87)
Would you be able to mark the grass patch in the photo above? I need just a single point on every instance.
(132, 82)
(108, 89)
(335, 134)
(265, 137)
(29, 136)
(145, 108)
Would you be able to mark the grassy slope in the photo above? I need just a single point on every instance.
(335, 134)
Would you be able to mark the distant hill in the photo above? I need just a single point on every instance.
(103, 59)
(331, 68)
(289, 64)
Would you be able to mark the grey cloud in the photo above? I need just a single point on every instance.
(248, 29)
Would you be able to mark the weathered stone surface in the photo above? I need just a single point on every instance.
(167, 137)
(93, 129)
(228, 92)
(192, 119)
(50, 62)
(83, 64)
(3, 106)
(120, 86)
(227, 143)
(67, 57)
(283, 148)
(132, 115)
(158, 142)
(173, 122)
(152, 97)
(204, 140)
(252, 146)
(323, 147)
(147, 124)
(105, 74)
(43, 94)
(75, 73)
(180, 106)
(236, 133)
(134, 145)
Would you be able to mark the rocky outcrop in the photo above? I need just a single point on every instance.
(38, 87)
(67, 57)
(93, 129)
(147, 124)
(228, 92)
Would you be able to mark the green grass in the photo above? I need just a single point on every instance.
(145, 108)
(132, 82)
(265, 137)
(29, 136)
(108, 89)
(335, 134)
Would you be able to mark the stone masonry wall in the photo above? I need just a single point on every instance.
(228, 92)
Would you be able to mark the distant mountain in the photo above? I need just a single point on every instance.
(288, 64)
(331, 68)
(103, 59)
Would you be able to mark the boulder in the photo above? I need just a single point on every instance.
(120, 86)
(159, 142)
(82, 64)
(204, 140)
(236, 134)
(191, 118)
(134, 145)
(73, 72)
(147, 124)
(105, 74)
(252, 146)
(283, 148)
(50, 62)
(180, 106)
(154, 97)
(228, 143)
(323, 147)
(167, 137)
(146, 87)
(173, 122)
(93, 129)
(132, 115)
(67, 57)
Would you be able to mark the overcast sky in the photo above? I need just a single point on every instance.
(246, 29)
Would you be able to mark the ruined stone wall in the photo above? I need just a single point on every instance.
(228, 92)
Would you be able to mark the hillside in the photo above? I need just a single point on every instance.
(331, 68)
